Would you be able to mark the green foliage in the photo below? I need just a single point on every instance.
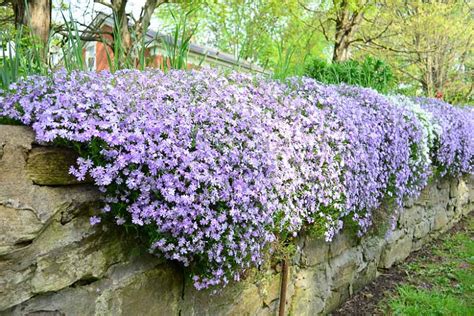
(73, 47)
(282, 68)
(273, 34)
(177, 46)
(413, 301)
(21, 55)
(370, 73)
(429, 46)
(450, 276)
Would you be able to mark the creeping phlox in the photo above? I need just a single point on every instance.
(213, 167)
(452, 152)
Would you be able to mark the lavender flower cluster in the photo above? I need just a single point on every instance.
(453, 149)
(212, 168)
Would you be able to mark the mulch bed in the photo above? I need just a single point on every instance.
(366, 301)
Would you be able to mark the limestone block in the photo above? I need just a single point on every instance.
(311, 290)
(411, 216)
(344, 268)
(335, 299)
(453, 188)
(371, 247)
(396, 251)
(61, 255)
(18, 227)
(269, 289)
(129, 288)
(409, 202)
(422, 229)
(364, 277)
(440, 218)
(462, 197)
(238, 298)
(50, 166)
(154, 292)
(315, 251)
(20, 136)
(341, 243)
(470, 184)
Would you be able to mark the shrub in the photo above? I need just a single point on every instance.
(212, 168)
(370, 73)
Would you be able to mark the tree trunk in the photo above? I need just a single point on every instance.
(347, 23)
(20, 13)
(139, 29)
(36, 15)
(39, 19)
(341, 49)
(121, 21)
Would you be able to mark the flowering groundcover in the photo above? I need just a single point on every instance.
(214, 167)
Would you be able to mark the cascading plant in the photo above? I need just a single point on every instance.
(212, 168)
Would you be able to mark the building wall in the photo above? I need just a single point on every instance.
(53, 262)
(154, 56)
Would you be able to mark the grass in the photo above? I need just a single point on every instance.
(441, 283)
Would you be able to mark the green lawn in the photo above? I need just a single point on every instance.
(441, 282)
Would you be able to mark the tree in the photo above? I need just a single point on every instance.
(430, 45)
(129, 29)
(340, 22)
(265, 32)
(35, 14)
(7, 17)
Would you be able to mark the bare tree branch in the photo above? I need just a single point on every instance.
(381, 46)
(371, 39)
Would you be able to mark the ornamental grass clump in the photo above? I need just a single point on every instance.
(212, 168)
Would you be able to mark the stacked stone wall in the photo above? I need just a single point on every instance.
(52, 262)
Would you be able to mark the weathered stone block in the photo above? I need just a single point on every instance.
(335, 299)
(341, 243)
(453, 188)
(20, 136)
(422, 229)
(315, 251)
(440, 219)
(155, 292)
(371, 247)
(18, 227)
(364, 277)
(50, 166)
(311, 290)
(411, 216)
(396, 251)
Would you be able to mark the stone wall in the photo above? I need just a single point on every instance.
(52, 262)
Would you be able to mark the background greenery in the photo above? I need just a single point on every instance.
(422, 47)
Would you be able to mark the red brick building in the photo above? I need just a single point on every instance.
(96, 55)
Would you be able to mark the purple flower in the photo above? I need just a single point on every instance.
(212, 167)
(94, 220)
